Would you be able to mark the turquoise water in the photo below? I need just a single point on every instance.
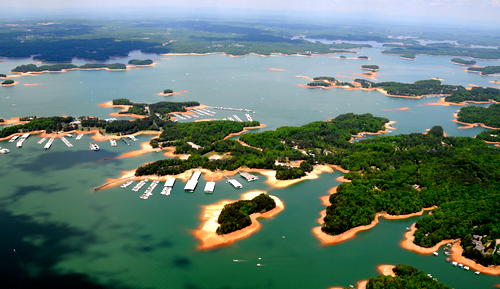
(59, 226)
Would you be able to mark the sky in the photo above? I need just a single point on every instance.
(488, 10)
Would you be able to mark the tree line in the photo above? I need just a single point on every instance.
(63, 66)
(489, 116)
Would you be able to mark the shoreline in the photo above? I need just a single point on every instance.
(245, 129)
(470, 125)
(207, 231)
(456, 255)
(327, 239)
(408, 244)
(386, 270)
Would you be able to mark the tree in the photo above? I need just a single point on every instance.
(7, 82)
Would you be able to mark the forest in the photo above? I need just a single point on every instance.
(7, 82)
(371, 67)
(474, 94)
(402, 174)
(407, 277)
(307, 144)
(463, 61)
(63, 66)
(140, 62)
(489, 135)
(485, 70)
(49, 124)
(419, 88)
(489, 116)
(236, 216)
(444, 49)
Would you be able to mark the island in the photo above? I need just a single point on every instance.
(443, 49)
(370, 67)
(32, 68)
(463, 61)
(485, 70)
(167, 91)
(489, 117)
(363, 57)
(291, 152)
(3, 75)
(405, 174)
(137, 62)
(238, 223)
(8, 82)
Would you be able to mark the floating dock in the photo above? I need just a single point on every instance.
(237, 118)
(235, 183)
(248, 117)
(49, 143)
(66, 142)
(14, 138)
(167, 188)
(248, 177)
(210, 187)
(112, 142)
(79, 136)
(236, 109)
(193, 182)
(139, 185)
(126, 140)
(22, 139)
(42, 140)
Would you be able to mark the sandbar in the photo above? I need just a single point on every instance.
(31, 84)
(303, 76)
(372, 76)
(12, 84)
(456, 255)
(207, 232)
(394, 109)
(206, 119)
(167, 94)
(386, 270)
(276, 69)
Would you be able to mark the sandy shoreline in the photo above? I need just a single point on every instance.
(456, 255)
(386, 270)
(408, 244)
(209, 238)
(245, 129)
(470, 125)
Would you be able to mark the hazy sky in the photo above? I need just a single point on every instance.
(469, 9)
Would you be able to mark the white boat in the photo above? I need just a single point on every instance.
(4, 151)
(132, 137)
(466, 268)
(94, 147)
(454, 263)
(435, 253)
(477, 272)
(112, 142)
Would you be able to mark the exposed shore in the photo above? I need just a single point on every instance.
(12, 84)
(408, 244)
(327, 239)
(456, 255)
(207, 232)
(386, 270)
(245, 129)
(470, 125)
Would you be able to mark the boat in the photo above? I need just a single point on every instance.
(4, 151)
(94, 147)
(454, 263)
(435, 253)
(112, 142)
(477, 272)
(132, 137)
(466, 268)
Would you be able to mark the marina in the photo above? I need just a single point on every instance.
(126, 184)
(167, 188)
(66, 142)
(139, 185)
(21, 140)
(235, 183)
(235, 109)
(49, 143)
(210, 187)
(193, 182)
(248, 177)
(126, 140)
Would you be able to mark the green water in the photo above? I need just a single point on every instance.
(59, 226)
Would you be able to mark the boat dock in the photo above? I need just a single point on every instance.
(79, 136)
(126, 184)
(112, 142)
(42, 140)
(210, 187)
(49, 143)
(126, 140)
(235, 183)
(248, 117)
(167, 188)
(237, 118)
(149, 190)
(248, 177)
(230, 118)
(22, 139)
(14, 138)
(133, 138)
(139, 185)
(193, 182)
(66, 142)
(236, 109)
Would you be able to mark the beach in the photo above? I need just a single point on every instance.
(207, 231)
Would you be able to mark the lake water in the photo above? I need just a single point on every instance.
(53, 225)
